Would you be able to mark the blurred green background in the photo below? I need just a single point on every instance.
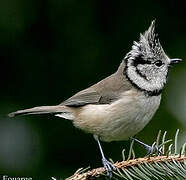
(51, 49)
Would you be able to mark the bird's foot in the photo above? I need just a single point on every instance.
(154, 149)
(109, 167)
(150, 149)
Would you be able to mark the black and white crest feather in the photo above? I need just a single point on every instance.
(147, 64)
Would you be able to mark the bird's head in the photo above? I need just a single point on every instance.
(147, 64)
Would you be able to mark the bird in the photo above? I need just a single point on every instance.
(121, 105)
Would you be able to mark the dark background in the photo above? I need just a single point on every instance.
(50, 50)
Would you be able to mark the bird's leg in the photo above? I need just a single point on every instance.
(107, 164)
(150, 149)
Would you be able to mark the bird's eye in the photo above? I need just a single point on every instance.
(158, 63)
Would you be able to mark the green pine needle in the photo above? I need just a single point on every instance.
(171, 164)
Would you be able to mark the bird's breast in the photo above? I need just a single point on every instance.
(121, 119)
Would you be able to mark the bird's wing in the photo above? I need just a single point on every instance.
(87, 96)
(104, 92)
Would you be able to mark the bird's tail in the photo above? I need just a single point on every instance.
(39, 110)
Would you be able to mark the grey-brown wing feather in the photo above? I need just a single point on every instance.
(104, 92)
(87, 96)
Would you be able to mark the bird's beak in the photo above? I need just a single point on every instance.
(175, 61)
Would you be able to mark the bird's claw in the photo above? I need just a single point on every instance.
(109, 167)
(153, 149)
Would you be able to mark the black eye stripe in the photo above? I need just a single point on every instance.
(139, 60)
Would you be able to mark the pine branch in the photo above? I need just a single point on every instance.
(169, 165)
(165, 163)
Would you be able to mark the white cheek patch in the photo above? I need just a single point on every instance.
(155, 83)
